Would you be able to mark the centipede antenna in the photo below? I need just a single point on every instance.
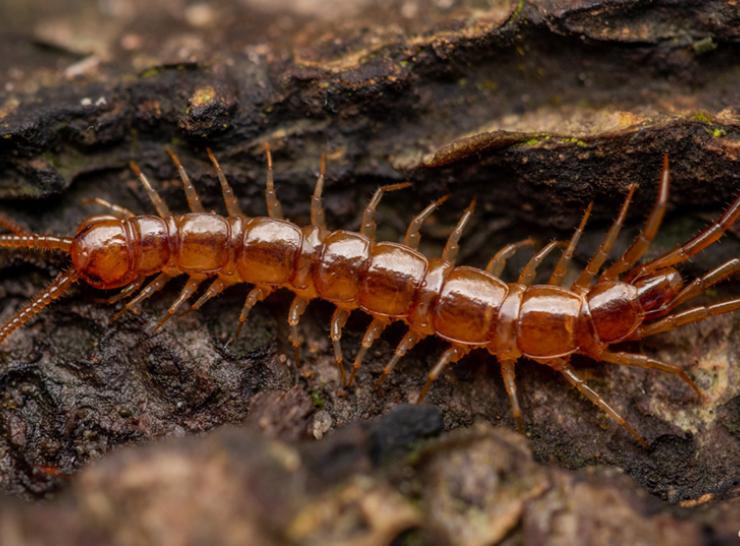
(159, 204)
(43, 299)
(190, 192)
(274, 209)
(33, 241)
(232, 205)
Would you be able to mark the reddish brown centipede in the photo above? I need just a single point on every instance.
(468, 307)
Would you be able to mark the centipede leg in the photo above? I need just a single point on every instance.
(405, 345)
(187, 291)
(232, 205)
(413, 233)
(10, 225)
(642, 361)
(159, 204)
(61, 284)
(117, 210)
(274, 209)
(497, 264)
(371, 334)
(561, 268)
(698, 243)
(190, 193)
(576, 381)
(637, 250)
(213, 290)
(318, 217)
(297, 308)
(338, 320)
(527, 275)
(508, 374)
(123, 294)
(255, 295)
(367, 226)
(592, 268)
(155, 286)
(450, 356)
(452, 247)
(701, 284)
(694, 314)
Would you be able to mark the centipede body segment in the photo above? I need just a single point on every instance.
(468, 308)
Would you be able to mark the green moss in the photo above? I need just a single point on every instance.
(704, 45)
(702, 117)
(577, 141)
(317, 400)
(718, 133)
(150, 72)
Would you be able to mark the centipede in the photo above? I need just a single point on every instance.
(467, 308)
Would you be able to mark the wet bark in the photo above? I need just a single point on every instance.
(535, 108)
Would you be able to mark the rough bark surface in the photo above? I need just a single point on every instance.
(536, 108)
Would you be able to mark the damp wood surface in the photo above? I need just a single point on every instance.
(536, 108)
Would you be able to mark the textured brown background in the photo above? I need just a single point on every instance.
(534, 107)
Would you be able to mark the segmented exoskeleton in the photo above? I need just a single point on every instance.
(468, 307)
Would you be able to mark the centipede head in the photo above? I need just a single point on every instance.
(101, 253)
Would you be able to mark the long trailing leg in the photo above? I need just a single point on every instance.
(452, 247)
(187, 291)
(255, 295)
(405, 345)
(274, 209)
(190, 193)
(637, 250)
(642, 361)
(508, 374)
(10, 225)
(162, 208)
(576, 381)
(43, 299)
(692, 247)
(688, 316)
(561, 268)
(367, 225)
(450, 356)
(497, 264)
(150, 289)
(232, 205)
(372, 333)
(593, 266)
(338, 320)
(413, 233)
(117, 210)
(297, 308)
(529, 271)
